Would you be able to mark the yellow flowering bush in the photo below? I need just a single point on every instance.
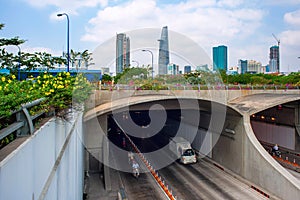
(60, 91)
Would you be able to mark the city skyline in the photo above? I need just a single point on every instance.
(246, 27)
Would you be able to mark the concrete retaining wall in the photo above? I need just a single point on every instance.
(48, 165)
(228, 151)
(284, 136)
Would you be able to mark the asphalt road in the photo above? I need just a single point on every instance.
(205, 181)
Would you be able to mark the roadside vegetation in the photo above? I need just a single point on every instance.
(59, 92)
(140, 77)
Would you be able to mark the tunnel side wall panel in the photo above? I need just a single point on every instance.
(263, 170)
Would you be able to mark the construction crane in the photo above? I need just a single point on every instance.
(278, 41)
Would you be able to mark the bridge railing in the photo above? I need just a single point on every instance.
(20, 123)
(199, 87)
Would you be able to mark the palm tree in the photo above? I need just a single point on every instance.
(73, 57)
(86, 57)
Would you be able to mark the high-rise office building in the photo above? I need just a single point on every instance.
(274, 59)
(220, 58)
(242, 66)
(164, 56)
(187, 69)
(122, 52)
(173, 69)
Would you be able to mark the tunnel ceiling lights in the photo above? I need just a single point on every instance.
(262, 117)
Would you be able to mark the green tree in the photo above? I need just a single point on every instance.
(106, 78)
(130, 74)
(87, 58)
(83, 59)
(28, 61)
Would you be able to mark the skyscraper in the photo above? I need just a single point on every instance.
(122, 52)
(220, 58)
(163, 57)
(187, 69)
(243, 65)
(274, 59)
(173, 69)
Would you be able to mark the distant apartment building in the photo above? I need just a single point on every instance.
(274, 62)
(164, 56)
(232, 70)
(202, 68)
(122, 52)
(267, 68)
(220, 58)
(105, 70)
(187, 69)
(173, 69)
(254, 67)
(250, 66)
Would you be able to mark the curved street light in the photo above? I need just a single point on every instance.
(138, 64)
(68, 38)
(151, 59)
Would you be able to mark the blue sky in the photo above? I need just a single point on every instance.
(245, 26)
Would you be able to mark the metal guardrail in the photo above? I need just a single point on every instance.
(24, 124)
(201, 87)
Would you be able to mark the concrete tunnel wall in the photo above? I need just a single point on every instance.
(242, 153)
(228, 150)
(261, 169)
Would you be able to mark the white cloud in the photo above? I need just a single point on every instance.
(69, 6)
(280, 2)
(292, 18)
(230, 3)
(290, 37)
(199, 20)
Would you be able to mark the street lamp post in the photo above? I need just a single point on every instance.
(298, 58)
(19, 64)
(68, 38)
(151, 60)
(136, 62)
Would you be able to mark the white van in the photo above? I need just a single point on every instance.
(182, 150)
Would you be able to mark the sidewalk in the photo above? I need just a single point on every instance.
(95, 186)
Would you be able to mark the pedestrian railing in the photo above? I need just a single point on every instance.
(199, 87)
(22, 123)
